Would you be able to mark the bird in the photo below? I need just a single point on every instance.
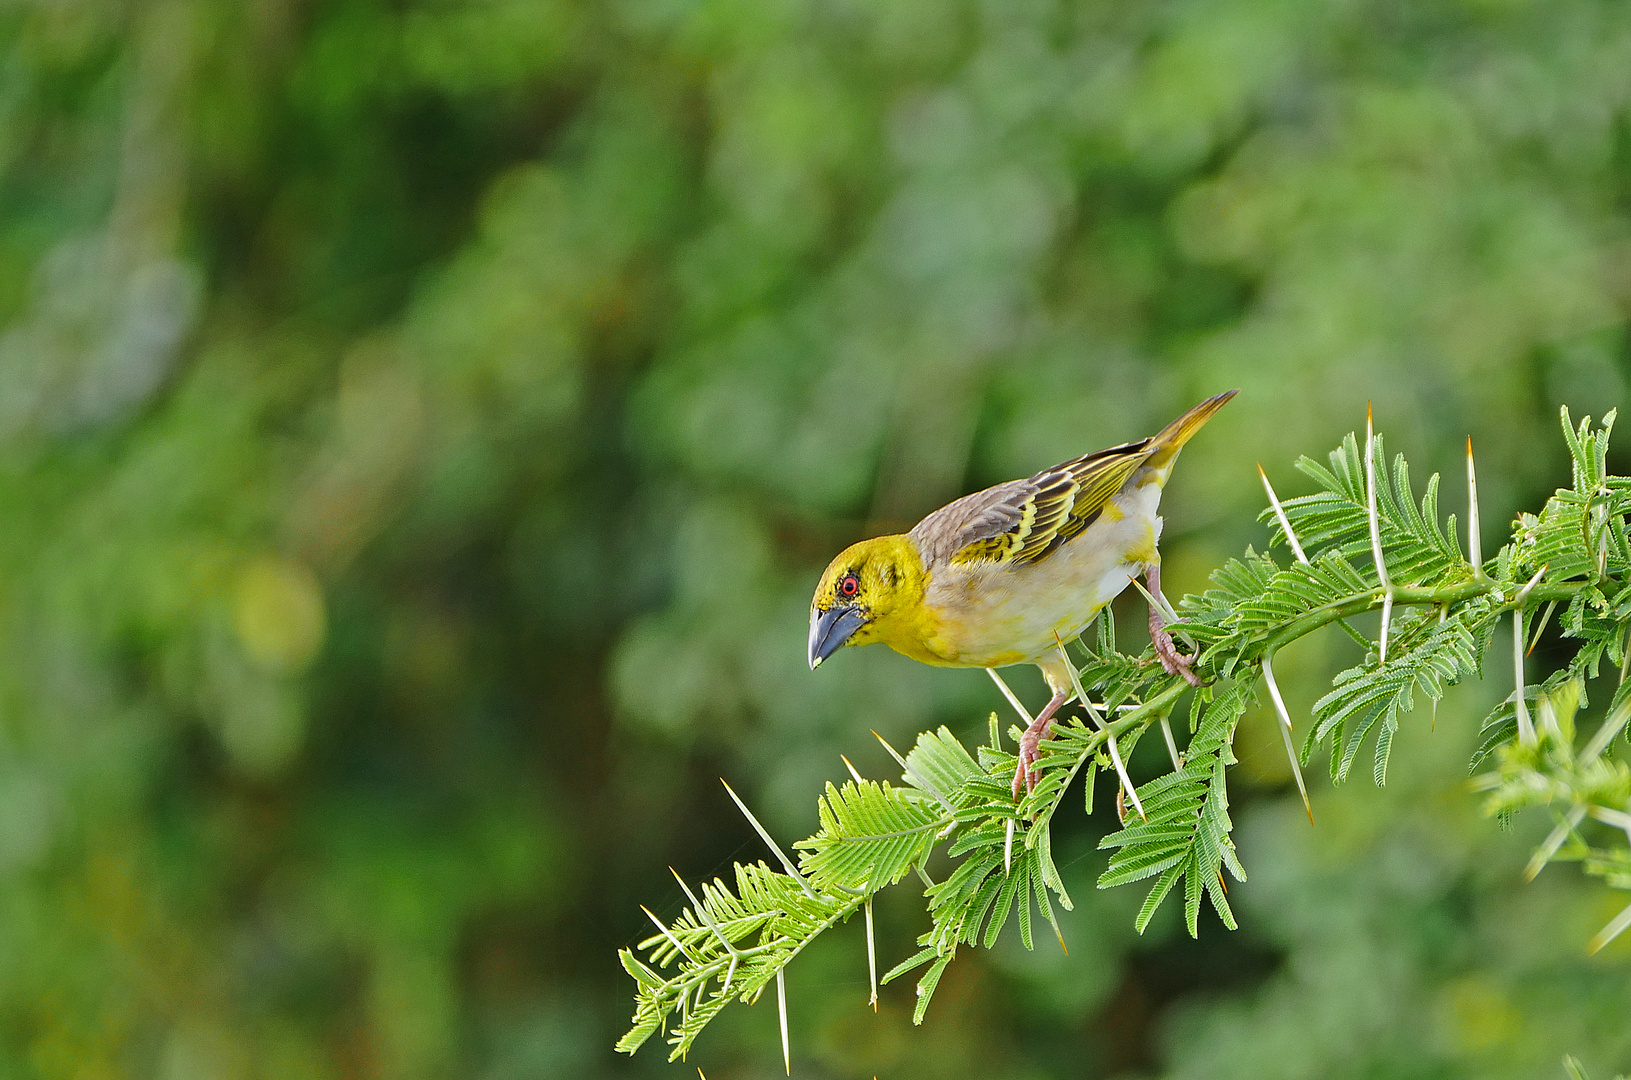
(1006, 575)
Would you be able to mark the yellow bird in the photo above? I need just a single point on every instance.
(1002, 576)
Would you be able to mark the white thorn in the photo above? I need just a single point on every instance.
(1284, 716)
(871, 957)
(1172, 745)
(702, 912)
(1605, 734)
(1387, 621)
(1375, 521)
(1554, 840)
(1008, 848)
(1126, 782)
(1280, 709)
(913, 774)
(1076, 685)
(787, 864)
(1540, 627)
(851, 768)
(1009, 694)
(1115, 751)
(1611, 931)
(1475, 544)
(1526, 730)
(1548, 718)
(1370, 502)
(672, 940)
(1617, 818)
(1279, 512)
(1529, 587)
(781, 1004)
(1159, 603)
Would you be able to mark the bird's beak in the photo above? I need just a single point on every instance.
(830, 629)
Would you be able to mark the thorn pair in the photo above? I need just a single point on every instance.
(1280, 710)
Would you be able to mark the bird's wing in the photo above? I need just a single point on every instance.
(1024, 520)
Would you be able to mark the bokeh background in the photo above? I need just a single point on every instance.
(422, 423)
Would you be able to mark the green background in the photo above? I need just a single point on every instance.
(422, 424)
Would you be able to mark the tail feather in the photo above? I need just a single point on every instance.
(1165, 445)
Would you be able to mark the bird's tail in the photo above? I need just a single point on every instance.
(1165, 445)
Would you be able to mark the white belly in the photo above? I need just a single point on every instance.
(995, 616)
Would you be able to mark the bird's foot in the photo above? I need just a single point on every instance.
(1024, 775)
(1173, 661)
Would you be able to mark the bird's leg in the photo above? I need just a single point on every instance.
(1023, 776)
(1175, 662)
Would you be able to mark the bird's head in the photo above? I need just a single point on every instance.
(864, 592)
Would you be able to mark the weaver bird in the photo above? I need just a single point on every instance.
(1005, 575)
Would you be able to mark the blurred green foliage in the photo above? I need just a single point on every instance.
(421, 424)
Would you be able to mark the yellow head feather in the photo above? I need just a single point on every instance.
(882, 580)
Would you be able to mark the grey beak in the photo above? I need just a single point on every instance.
(830, 629)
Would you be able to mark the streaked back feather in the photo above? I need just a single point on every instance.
(1022, 521)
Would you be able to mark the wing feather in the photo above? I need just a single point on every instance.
(1022, 521)
(1025, 520)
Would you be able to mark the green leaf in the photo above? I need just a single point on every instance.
(1362, 696)
(871, 835)
(939, 760)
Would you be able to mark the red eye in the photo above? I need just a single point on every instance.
(849, 586)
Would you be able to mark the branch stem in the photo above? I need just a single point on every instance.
(1404, 595)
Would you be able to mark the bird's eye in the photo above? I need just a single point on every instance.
(849, 585)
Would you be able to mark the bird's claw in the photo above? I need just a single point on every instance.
(1024, 775)
(1173, 661)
